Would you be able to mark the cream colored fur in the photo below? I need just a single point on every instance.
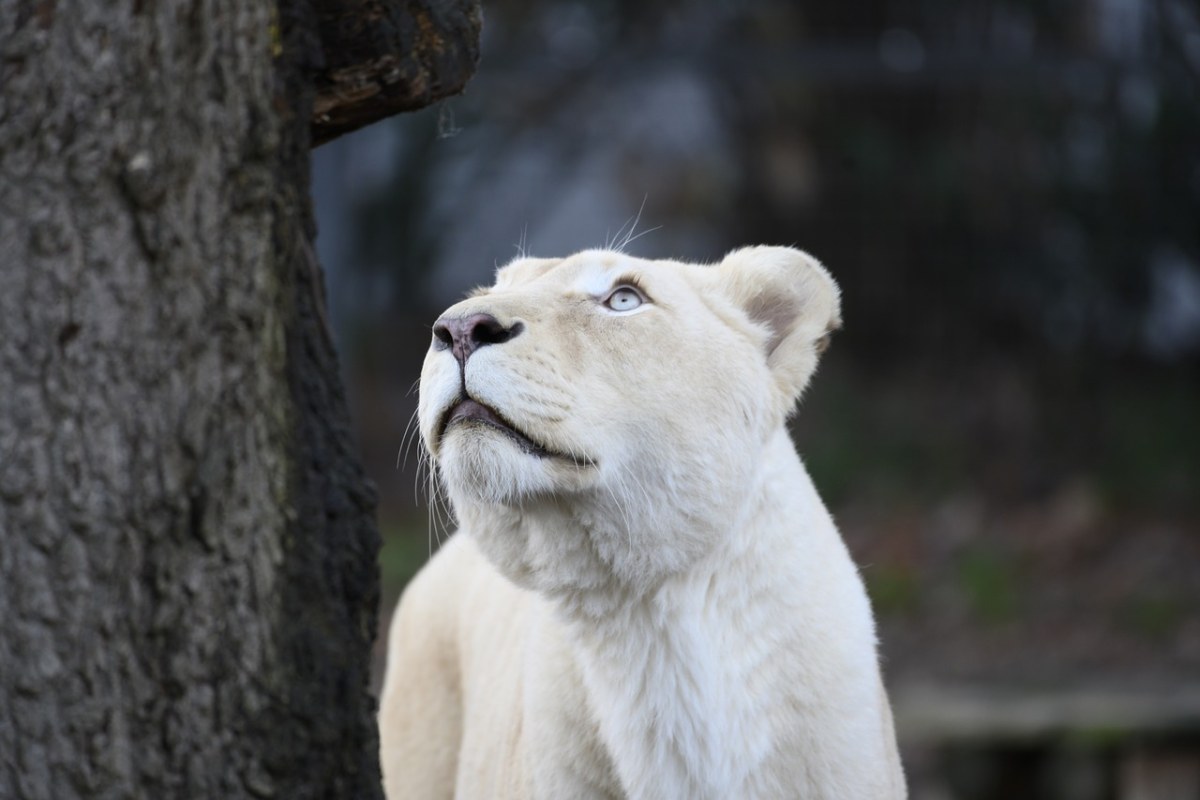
(664, 609)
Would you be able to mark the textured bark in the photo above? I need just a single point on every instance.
(386, 56)
(187, 545)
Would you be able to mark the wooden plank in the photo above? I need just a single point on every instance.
(943, 715)
(1159, 775)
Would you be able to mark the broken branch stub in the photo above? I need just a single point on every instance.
(382, 57)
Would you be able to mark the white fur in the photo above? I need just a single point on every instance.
(669, 612)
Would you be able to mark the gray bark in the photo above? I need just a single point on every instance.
(187, 545)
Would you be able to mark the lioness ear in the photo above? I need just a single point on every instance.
(789, 293)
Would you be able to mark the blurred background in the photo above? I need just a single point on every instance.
(1008, 427)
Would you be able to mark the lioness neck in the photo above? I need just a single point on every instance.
(686, 682)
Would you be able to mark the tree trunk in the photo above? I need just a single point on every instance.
(187, 546)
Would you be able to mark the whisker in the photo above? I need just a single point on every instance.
(611, 244)
(406, 441)
(620, 248)
(521, 252)
(632, 239)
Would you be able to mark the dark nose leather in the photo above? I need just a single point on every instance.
(465, 335)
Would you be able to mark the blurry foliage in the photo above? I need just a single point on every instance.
(893, 589)
(993, 176)
(407, 544)
(989, 582)
(1155, 616)
(1008, 193)
(917, 434)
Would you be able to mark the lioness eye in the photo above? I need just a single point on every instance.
(624, 298)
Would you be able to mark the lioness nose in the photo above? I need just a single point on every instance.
(465, 335)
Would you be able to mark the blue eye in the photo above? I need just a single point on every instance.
(624, 298)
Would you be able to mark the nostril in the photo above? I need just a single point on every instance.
(465, 335)
(486, 329)
(442, 335)
(483, 329)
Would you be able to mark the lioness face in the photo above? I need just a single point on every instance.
(624, 398)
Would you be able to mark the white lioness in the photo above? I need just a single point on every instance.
(646, 599)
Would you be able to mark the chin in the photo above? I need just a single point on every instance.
(484, 466)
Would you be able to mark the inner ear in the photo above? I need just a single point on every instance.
(835, 325)
(794, 298)
(777, 313)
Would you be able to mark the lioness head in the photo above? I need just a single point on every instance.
(598, 419)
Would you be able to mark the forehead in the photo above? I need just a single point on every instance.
(591, 271)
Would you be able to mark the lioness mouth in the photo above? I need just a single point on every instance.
(468, 410)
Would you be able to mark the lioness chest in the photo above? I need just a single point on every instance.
(529, 731)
